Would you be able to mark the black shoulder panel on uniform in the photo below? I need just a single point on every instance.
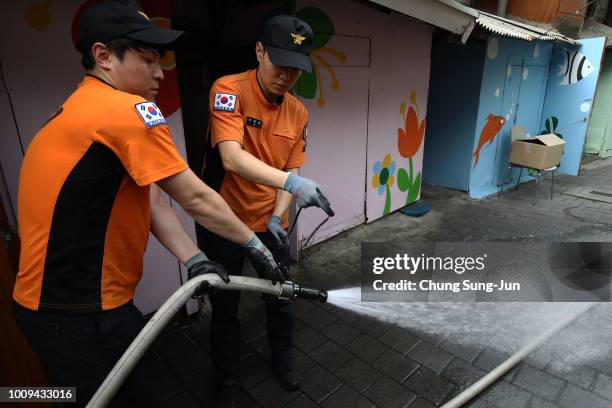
(75, 251)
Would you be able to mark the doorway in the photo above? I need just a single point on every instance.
(599, 135)
(524, 92)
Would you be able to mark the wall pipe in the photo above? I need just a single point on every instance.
(123, 367)
(482, 384)
(501, 7)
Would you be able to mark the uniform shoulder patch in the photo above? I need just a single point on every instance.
(150, 114)
(224, 102)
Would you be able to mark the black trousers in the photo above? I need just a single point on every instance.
(81, 349)
(225, 325)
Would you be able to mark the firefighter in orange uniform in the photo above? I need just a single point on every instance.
(88, 198)
(256, 145)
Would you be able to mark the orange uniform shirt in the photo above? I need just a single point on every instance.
(84, 211)
(273, 133)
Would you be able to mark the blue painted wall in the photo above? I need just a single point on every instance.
(520, 85)
(511, 68)
(571, 102)
(456, 75)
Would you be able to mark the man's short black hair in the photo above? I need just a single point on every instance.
(119, 46)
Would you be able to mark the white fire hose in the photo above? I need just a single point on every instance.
(123, 367)
(482, 384)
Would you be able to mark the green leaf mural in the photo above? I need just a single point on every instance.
(550, 126)
(323, 27)
(555, 122)
(414, 190)
(387, 202)
(306, 86)
(547, 126)
(321, 24)
(403, 181)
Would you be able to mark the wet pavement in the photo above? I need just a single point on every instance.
(351, 359)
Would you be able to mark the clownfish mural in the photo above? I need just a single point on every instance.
(488, 133)
(576, 67)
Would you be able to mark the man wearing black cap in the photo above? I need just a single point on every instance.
(255, 147)
(87, 202)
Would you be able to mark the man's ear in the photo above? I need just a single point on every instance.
(102, 55)
(259, 51)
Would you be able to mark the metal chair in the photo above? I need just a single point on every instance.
(537, 178)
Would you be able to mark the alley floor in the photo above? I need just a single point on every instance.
(349, 359)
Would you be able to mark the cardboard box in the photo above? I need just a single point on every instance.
(517, 133)
(540, 152)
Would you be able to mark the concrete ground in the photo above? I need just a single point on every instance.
(352, 360)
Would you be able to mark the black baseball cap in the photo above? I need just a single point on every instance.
(105, 21)
(288, 41)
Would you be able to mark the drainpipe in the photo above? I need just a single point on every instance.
(501, 7)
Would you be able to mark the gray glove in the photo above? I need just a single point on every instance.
(262, 260)
(276, 229)
(307, 193)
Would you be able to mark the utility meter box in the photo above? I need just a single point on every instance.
(540, 152)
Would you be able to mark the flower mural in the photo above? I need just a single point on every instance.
(323, 29)
(383, 179)
(409, 140)
(38, 15)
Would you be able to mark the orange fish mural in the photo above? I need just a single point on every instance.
(489, 131)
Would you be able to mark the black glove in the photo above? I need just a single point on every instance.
(199, 265)
(262, 260)
(284, 269)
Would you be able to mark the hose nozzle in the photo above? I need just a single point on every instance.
(310, 294)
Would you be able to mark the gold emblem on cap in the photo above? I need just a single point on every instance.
(144, 15)
(297, 39)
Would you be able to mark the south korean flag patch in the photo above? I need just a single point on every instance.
(224, 102)
(150, 114)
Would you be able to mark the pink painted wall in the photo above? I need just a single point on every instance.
(379, 61)
(398, 89)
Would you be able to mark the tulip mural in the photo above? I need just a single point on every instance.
(323, 29)
(409, 140)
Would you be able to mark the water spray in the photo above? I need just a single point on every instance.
(198, 286)
(482, 384)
